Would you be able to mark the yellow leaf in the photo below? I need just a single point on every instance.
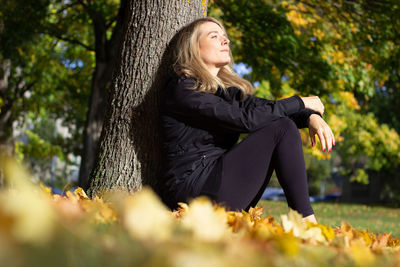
(327, 231)
(146, 217)
(67, 209)
(286, 243)
(361, 255)
(380, 242)
(28, 210)
(182, 209)
(255, 213)
(80, 193)
(293, 222)
(45, 189)
(204, 221)
(235, 221)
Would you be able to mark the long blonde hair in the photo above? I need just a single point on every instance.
(189, 63)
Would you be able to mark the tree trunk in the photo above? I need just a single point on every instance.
(5, 115)
(129, 152)
(5, 102)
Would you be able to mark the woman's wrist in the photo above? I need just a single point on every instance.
(313, 113)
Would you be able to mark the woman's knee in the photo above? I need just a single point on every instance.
(288, 128)
(288, 124)
(284, 124)
(273, 132)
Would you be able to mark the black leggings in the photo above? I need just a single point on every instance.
(248, 166)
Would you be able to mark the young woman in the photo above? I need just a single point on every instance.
(204, 109)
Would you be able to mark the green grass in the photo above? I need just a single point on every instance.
(375, 218)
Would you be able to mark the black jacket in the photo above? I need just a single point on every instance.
(198, 128)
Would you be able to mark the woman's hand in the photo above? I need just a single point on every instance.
(318, 126)
(314, 103)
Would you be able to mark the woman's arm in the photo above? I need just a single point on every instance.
(314, 103)
(210, 111)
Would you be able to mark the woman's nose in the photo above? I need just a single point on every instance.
(225, 41)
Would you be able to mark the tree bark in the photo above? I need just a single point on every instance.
(129, 152)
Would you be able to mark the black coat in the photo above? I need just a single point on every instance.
(198, 128)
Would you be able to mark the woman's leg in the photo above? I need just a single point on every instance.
(291, 171)
(247, 168)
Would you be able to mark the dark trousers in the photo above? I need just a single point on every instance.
(248, 166)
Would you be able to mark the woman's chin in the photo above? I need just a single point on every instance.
(222, 64)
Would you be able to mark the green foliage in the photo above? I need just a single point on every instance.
(20, 21)
(38, 148)
(46, 73)
(370, 145)
(50, 46)
(347, 53)
(360, 176)
(263, 38)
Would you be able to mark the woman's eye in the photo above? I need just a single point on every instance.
(213, 36)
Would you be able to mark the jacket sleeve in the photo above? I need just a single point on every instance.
(301, 117)
(207, 110)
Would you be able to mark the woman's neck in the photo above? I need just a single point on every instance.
(214, 70)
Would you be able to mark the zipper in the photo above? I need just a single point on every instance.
(203, 157)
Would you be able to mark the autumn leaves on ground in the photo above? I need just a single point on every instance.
(38, 228)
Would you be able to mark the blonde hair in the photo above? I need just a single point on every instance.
(189, 63)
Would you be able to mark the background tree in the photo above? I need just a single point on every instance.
(103, 21)
(18, 26)
(64, 53)
(130, 149)
(345, 52)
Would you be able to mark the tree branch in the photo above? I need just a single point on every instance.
(67, 6)
(72, 41)
(83, 4)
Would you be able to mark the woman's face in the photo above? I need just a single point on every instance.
(214, 46)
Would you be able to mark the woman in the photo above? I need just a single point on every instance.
(205, 108)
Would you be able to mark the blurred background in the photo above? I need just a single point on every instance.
(56, 64)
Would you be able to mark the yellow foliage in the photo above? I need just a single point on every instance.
(349, 99)
(337, 125)
(25, 212)
(286, 243)
(326, 231)
(296, 15)
(206, 222)
(293, 222)
(204, 7)
(319, 33)
(199, 233)
(361, 255)
(145, 216)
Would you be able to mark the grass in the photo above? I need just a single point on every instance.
(375, 218)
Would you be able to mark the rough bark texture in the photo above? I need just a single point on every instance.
(106, 52)
(129, 153)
